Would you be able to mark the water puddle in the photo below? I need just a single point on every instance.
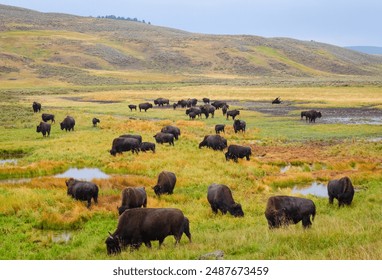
(61, 238)
(317, 189)
(8, 161)
(83, 174)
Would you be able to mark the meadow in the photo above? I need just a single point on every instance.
(39, 221)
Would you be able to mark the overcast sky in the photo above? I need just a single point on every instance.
(338, 22)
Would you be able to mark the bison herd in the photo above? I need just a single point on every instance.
(138, 224)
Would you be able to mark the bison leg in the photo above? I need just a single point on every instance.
(148, 244)
(214, 209)
(331, 199)
(89, 202)
(306, 221)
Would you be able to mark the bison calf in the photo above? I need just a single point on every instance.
(283, 210)
(342, 190)
(220, 198)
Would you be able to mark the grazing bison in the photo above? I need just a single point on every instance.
(145, 106)
(36, 107)
(161, 101)
(236, 151)
(342, 190)
(162, 137)
(196, 110)
(239, 125)
(172, 130)
(277, 100)
(147, 146)
(68, 123)
(135, 136)
(174, 105)
(218, 104)
(166, 183)
(191, 102)
(48, 117)
(206, 100)
(215, 142)
(225, 109)
(143, 225)
(311, 115)
(95, 121)
(192, 115)
(208, 109)
(232, 113)
(131, 107)
(44, 128)
(220, 198)
(219, 128)
(82, 190)
(133, 198)
(124, 144)
(283, 210)
(182, 103)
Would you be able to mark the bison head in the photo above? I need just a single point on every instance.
(236, 210)
(112, 245)
(122, 209)
(113, 152)
(38, 129)
(158, 190)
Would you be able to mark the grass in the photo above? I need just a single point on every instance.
(36, 213)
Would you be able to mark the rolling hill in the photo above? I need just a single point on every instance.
(69, 49)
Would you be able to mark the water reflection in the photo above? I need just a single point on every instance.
(83, 174)
(317, 189)
(8, 161)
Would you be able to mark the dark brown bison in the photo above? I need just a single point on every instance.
(161, 138)
(133, 198)
(208, 109)
(206, 100)
(283, 210)
(48, 117)
(239, 125)
(215, 142)
(124, 144)
(161, 101)
(95, 121)
(135, 136)
(147, 146)
(171, 129)
(143, 225)
(219, 128)
(277, 100)
(68, 124)
(232, 113)
(166, 183)
(194, 110)
(82, 190)
(220, 198)
(145, 106)
(225, 109)
(36, 107)
(132, 107)
(191, 102)
(218, 104)
(182, 103)
(44, 128)
(236, 151)
(311, 115)
(342, 190)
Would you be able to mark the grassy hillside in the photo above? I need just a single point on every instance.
(64, 49)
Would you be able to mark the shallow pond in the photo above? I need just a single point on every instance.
(317, 189)
(8, 161)
(83, 174)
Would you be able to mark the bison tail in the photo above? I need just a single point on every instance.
(313, 212)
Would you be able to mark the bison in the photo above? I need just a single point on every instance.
(36, 107)
(194, 110)
(206, 100)
(161, 138)
(133, 198)
(44, 128)
(239, 125)
(283, 210)
(232, 113)
(147, 146)
(225, 109)
(82, 190)
(182, 103)
(342, 190)
(131, 107)
(145, 106)
(218, 104)
(68, 123)
(48, 117)
(215, 142)
(208, 109)
(165, 184)
(220, 198)
(161, 101)
(172, 130)
(135, 136)
(219, 128)
(277, 100)
(95, 121)
(236, 151)
(143, 225)
(311, 115)
(124, 144)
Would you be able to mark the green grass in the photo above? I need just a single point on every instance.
(35, 213)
